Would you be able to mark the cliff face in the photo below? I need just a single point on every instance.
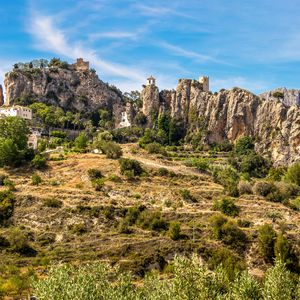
(231, 114)
(70, 89)
(151, 101)
(1, 95)
(287, 97)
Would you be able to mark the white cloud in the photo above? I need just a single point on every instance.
(242, 82)
(196, 56)
(113, 35)
(48, 37)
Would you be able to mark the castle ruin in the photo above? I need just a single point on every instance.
(81, 65)
(204, 80)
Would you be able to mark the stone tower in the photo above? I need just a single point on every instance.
(204, 80)
(150, 98)
(82, 65)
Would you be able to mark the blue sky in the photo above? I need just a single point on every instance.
(252, 44)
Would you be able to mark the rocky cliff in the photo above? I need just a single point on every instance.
(71, 89)
(231, 114)
(1, 95)
(286, 96)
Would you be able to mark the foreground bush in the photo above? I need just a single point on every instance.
(227, 207)
(190, 280)
(7, 201)
(130, 167)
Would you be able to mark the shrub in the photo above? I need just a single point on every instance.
(98, 183)
(201, 164)
(9, 184)
(94, 174)
(2, 178)
(229, 261)
(244, 188)
(288, 190)
(295, 204)
(228, 232)
(7, 201)
(36, 179)
(278, 94)
(39, 161)
(78, 229)
(244, 145)
(163, 172)
(152, 221)
(227, 207)
(81, 141)
(263, 188)
(187, 196)
(266, 241)
(130, 166)
(111, 150)
(283, 251)
(19, 242)
(174, 231)
(53, 202)
(133, 214)
(229, 178)
(276, 174)
(293, 173)
(154, 148)
(254, 164)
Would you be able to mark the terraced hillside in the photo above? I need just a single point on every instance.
(65, 219)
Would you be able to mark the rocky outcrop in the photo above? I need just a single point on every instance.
(231, 114)
(1, 95)
(69, 88)
(286, 96)
(151, 101)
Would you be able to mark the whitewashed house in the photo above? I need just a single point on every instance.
(16, 111)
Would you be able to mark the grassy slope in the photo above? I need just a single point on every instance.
(102, 239)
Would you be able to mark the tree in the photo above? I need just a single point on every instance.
(81, 141)
(266, 241)
(293, 173)
(13, 141)
(174, 231)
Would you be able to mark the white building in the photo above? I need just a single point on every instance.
(16, 111)
(124, 120)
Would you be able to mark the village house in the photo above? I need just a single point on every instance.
(16, 111)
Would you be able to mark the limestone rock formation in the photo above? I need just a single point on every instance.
(1, 95)
(70, 88)
(151, 101)
(231, 114)
(286, 96)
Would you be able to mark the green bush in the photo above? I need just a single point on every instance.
(244, 145)
(163, 172)
(229, 178)
(131, 166)
(201, 164)
(293, 174)
(19, 242)
(7, 182)
(187, 196)
(152, 220)
(228, 232)
(81, 141)
(53, 202)
(263, 188)
(231, 262)
(7, 200)
(111, 150)
(2, 178)
(227, 207)
(94, 174)
(98, 183)
(276, 174)
(190, 279)
(154, 148)
(78, 229)
(245, 188)
(174, 231)
(266, 241)
(36, 179)
(39, 161)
